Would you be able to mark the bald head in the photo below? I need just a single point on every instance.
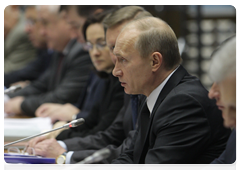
(150, 34)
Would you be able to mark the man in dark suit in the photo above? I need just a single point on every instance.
(67, 74)
(223, 73)
(37, 67)
(18, 50)
(178, 123)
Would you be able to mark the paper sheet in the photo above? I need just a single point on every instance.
(15, 129)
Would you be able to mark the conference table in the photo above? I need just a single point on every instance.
(21, 146)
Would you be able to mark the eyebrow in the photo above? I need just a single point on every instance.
(98, 39)
(117, 54)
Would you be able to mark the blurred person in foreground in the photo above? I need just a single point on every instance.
(37, 67)
(18, 50)
(178, 123)
(223, 73)
(66, 76)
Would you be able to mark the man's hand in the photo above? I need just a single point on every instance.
(47, 109)
(48, 148)
(65, 113)
(14, 105)
(33, 142)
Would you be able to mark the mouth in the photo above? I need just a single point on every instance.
(98, 61)
(123, 84)
(220, 107)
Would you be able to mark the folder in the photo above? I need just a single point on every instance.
(26, 159)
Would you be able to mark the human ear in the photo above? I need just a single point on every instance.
(156, 58)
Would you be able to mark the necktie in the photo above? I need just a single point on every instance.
(144, 140)
(134, 104)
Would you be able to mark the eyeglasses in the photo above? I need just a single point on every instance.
(99, 46)
(25, 151)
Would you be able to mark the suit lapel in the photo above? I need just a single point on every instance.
(141, 148)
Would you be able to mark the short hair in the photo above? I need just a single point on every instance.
(223, 61)
(157, 36)
(124, 14)
(88, 10)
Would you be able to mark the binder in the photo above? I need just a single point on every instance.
(26, 159)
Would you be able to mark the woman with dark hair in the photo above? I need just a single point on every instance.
(111, 97)
(104, 112)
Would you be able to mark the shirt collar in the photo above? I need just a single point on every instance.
(152, 98)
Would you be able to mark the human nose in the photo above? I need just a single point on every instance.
(117, 72)
(213, 92)
(95, 51)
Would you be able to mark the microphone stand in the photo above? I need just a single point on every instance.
(73, 123)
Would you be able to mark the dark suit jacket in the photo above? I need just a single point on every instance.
(102, 114)
(111, 138)
(58, 85)
(185, 126)
(229, 154)
(90, 95)
(32, 71)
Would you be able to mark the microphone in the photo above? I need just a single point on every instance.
(73, 123)
(12, 89)
(95, 157)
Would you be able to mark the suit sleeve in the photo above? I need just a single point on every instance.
(67, 91)
(114, 134)
(31, 72)
(101, 122)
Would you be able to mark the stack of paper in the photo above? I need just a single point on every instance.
(15, 129)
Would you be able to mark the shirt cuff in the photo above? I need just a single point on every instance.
(68, 157)
(62, 144)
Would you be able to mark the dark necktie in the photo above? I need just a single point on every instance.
(144, 123)
(134, 104)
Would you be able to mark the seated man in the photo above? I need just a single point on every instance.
(223, 73)
(178, 123)
(67, 74)
(37, 67)
(18, 50)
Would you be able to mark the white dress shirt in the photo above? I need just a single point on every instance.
(152, 98)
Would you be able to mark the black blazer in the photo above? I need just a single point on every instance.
(185, 126)
(32, 71)
(111, 138)
(229, 154)
(58, 86)
(102, 114)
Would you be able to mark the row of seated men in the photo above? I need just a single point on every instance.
(120, 69)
